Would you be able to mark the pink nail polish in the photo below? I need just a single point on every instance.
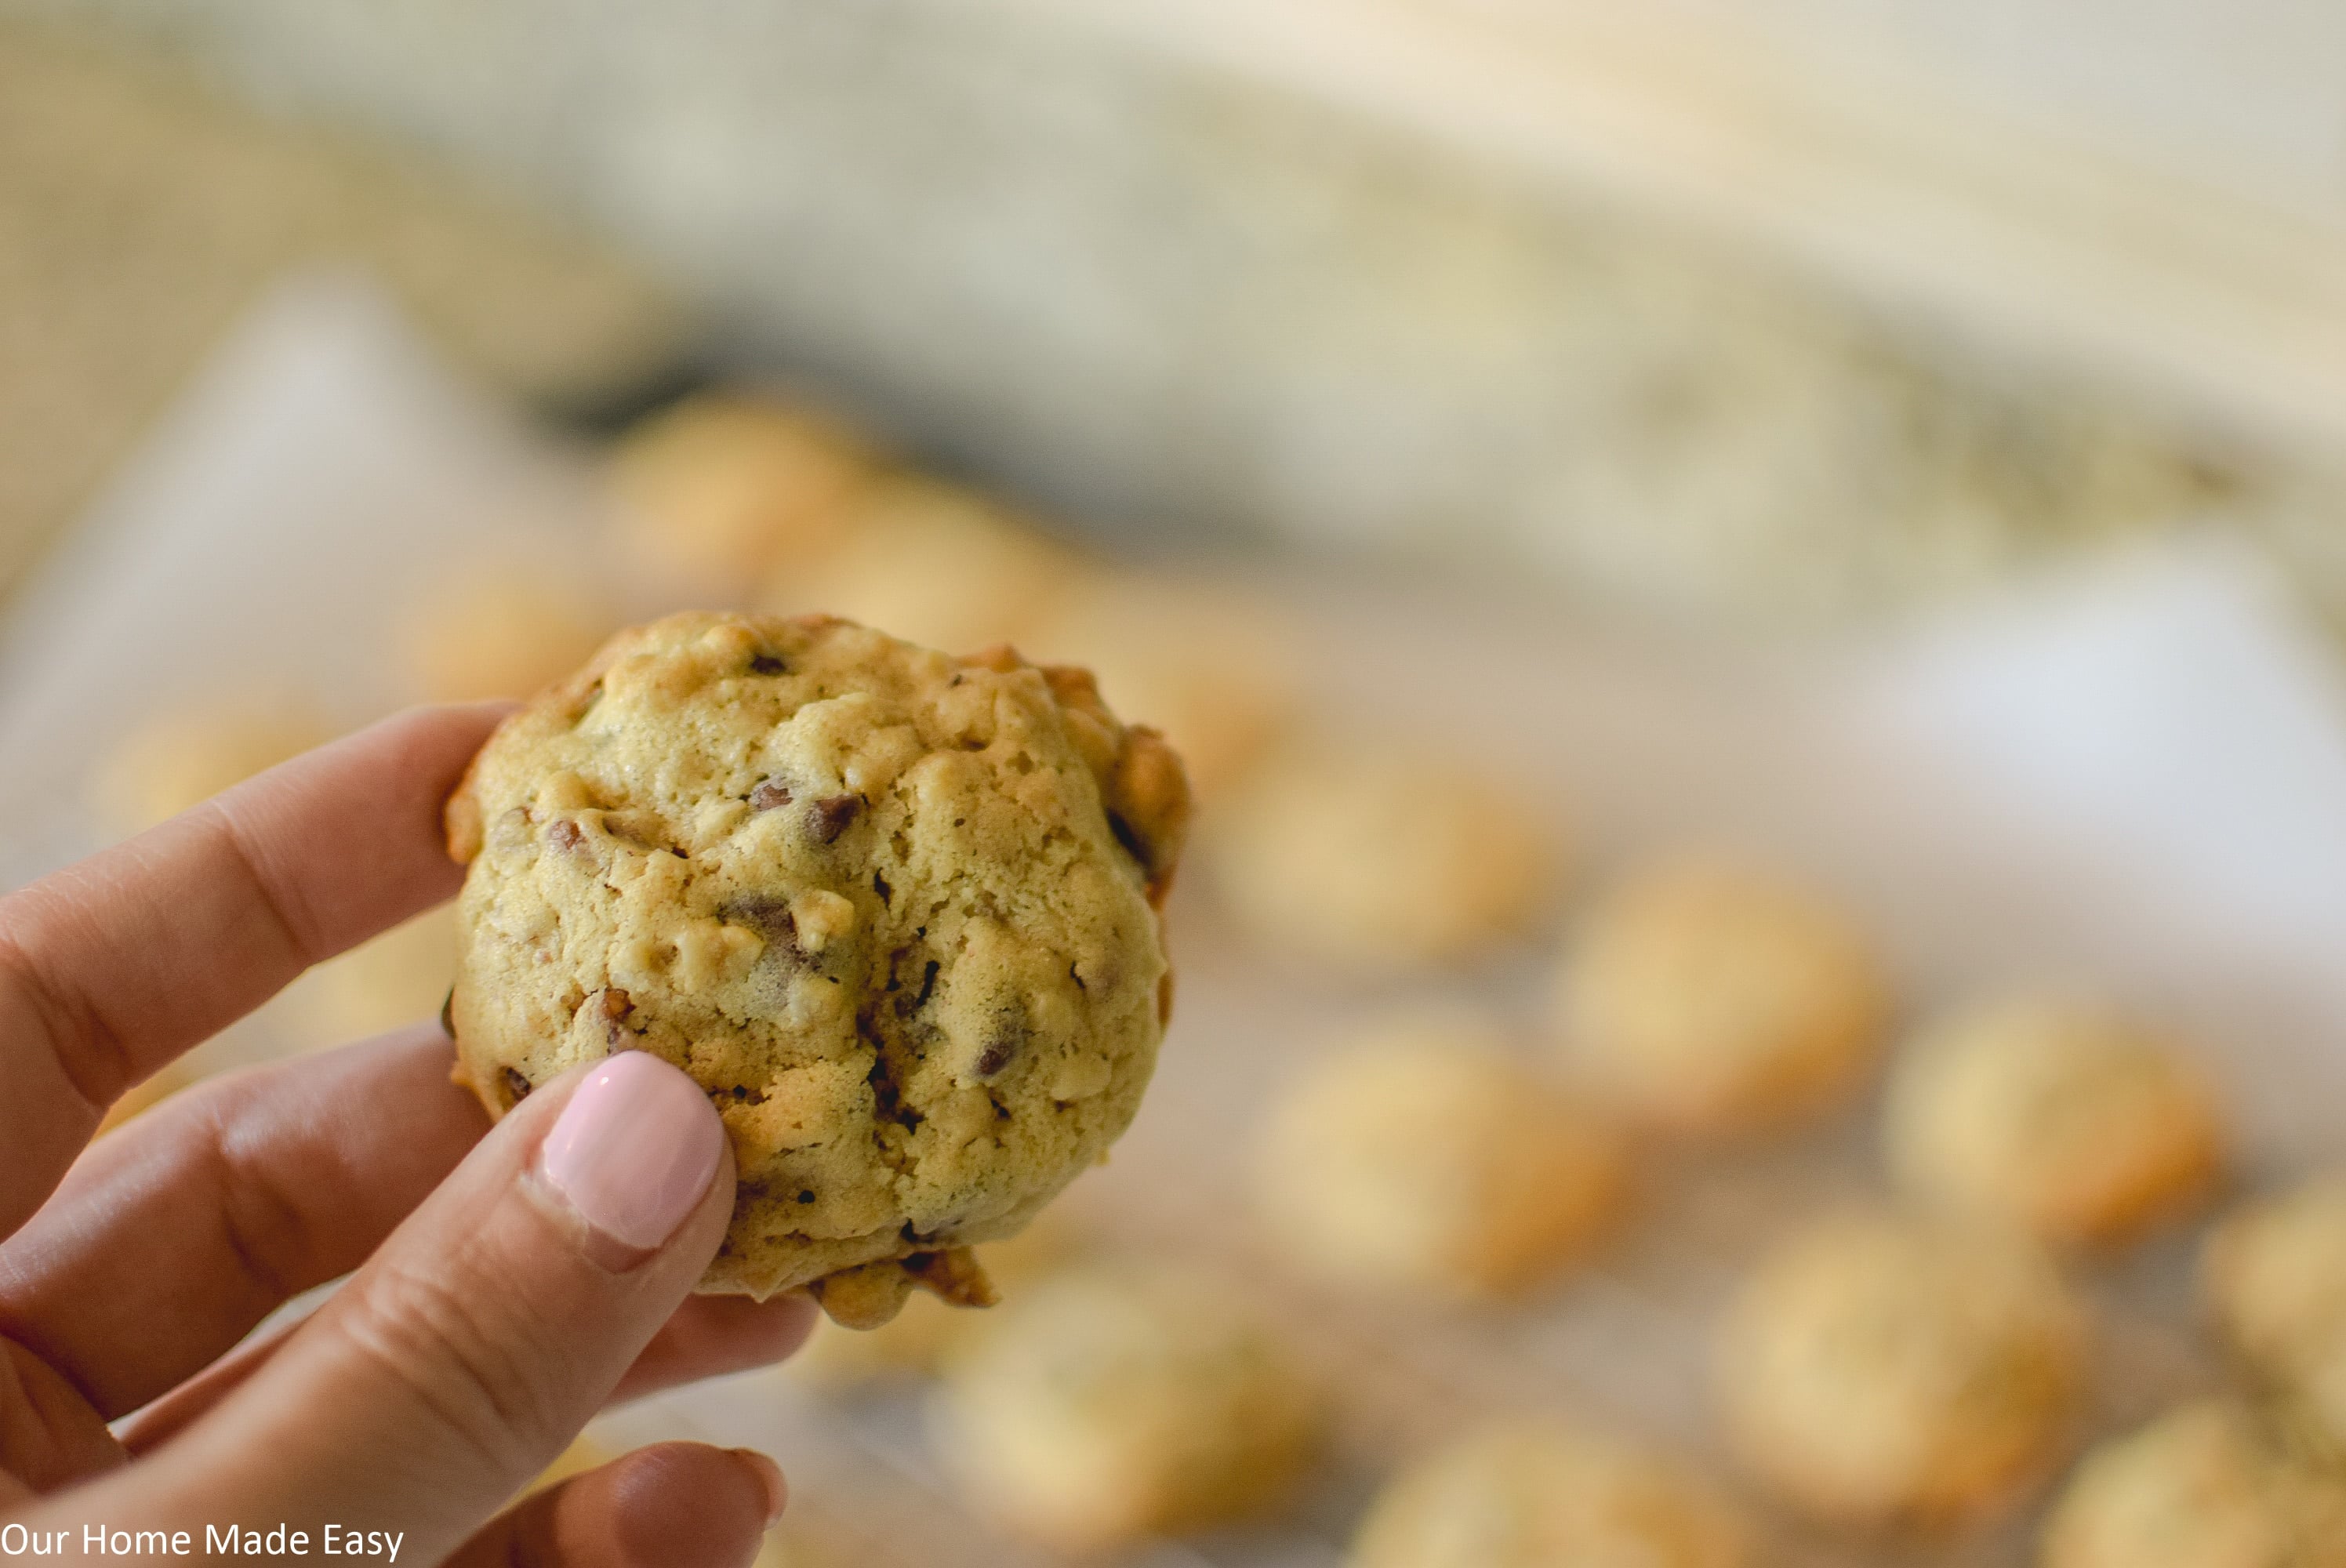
(634, 1149)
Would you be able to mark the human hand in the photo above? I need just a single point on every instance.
(509, 1281)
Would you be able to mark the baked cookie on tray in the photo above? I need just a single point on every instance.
(2061, 1116)
(1376, 859)
(1887, 1369)
(2212, 1484)
(2273, 1275)
(1428, 1155)
(1525, 1494)
(1120, 1402)
(896, 911)
(1705, 998)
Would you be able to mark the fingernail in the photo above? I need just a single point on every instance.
(634, 1149)
(769, 1476)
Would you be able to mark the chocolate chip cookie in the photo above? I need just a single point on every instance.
(2062, 1116)
(1707, 999)
(1430, 1156)
(1379, 857)
(1536, 1494)
(2274, 1279)
(896, 911)
(1880, 1370)
(2212, 1484)
(1118, 1402)
(725, 488)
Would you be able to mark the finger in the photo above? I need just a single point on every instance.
(110, 968)
(708, 1337)
(158, 1423)
(672, 1503)
(482, 1335)
(162, 1248)
(48, 1435)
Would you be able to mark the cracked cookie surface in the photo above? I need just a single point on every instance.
(896, 911)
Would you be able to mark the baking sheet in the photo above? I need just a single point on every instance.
(2133, 779)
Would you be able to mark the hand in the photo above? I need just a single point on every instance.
(508, 1284)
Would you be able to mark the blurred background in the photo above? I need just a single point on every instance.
(1887, 454)
(1765, 311)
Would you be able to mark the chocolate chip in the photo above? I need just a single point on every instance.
(828, 818)
(615, 1006)
(769, 917)
(908, 1006)
(879, 885)
(517, 1086)
(1002, 1047)
(769, 796)
(766, 664)
(566, 835)
(1127, 836)
(806, 1194)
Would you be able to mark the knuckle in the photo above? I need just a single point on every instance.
(264, 1226)
(467, 1367)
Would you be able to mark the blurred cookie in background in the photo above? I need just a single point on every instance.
(2274, 1279)
(1882, 1370)
(922, 1337)
(398, 977)
(934, 564)
(1202, 662)
(505, 630)
(1428, 1155)
(1381, 857)
(177, 759)
(1705, 998)
(2059, 1115)
(718, 491)
(1541, 1494)
(2212, 1484)
(1119, 1402)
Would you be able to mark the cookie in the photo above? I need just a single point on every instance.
(2273, 1276)
(2209, 1485)
(896, 911)
(1196, 660)
(1536, 1494)
(1880, 1370)
(2060, 1116)
(181, 759)
(1115, 1403)
(1704, 999)
(1371, 858)
(1430, 1156)
(499, 632)
(721, 490)
(935, 563)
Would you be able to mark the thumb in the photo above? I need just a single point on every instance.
(484, 1334)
